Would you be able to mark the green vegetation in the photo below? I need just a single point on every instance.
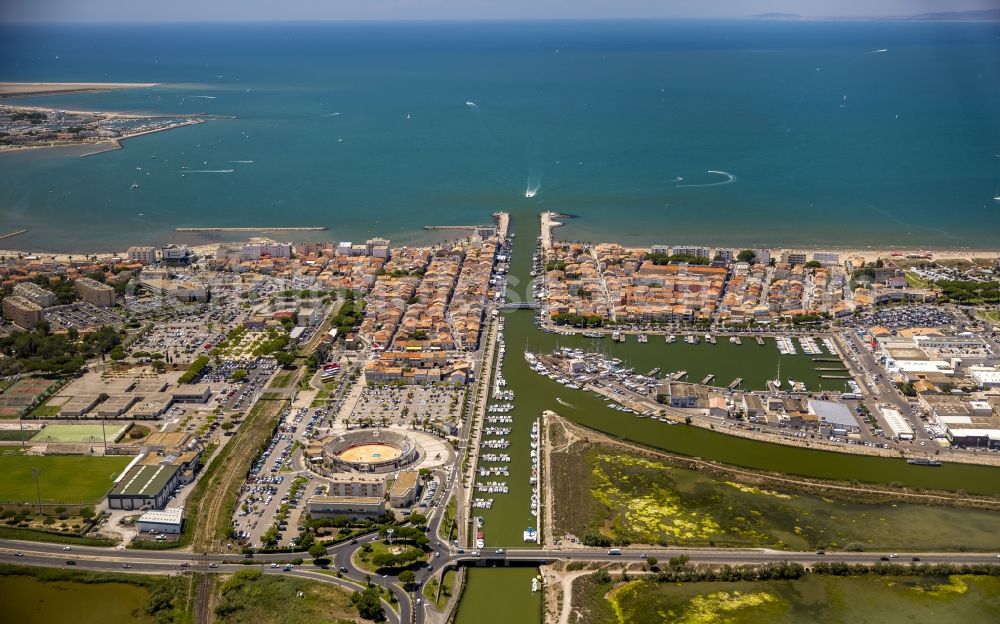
(250, 596)
(811, 598)
(578, 320)
(53, 353)
(610, 497)
(48, 595)
(662, 258)
(376, 556)
(369, 604)
(349, 315)
(966, 292)
(438, 593)
(747, 255)
(195, 369)
(8, 532)
(63, 478)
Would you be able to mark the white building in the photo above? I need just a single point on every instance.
(986, 377)
(256, 251)
(898, 427)
(143, 255)
(826, 257)
(689, 250)
(166, 521)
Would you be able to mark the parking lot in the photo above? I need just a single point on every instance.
(902, 317)
(273, 492)
(400, 405)
(181, 341)
(80, 316)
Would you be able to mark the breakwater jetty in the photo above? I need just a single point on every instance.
(318, 228)
(13, 234)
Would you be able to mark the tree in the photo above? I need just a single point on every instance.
(651, 561)
(284, 358)
(117, 354)
(368, 604)
(407, 577)
(747, 255)
(317, 551)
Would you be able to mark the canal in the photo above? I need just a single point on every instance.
(504, 524)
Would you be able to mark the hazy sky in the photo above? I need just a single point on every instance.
(155, 10)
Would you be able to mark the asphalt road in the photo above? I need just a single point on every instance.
(165, 562)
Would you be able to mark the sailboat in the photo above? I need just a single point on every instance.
(777, 378)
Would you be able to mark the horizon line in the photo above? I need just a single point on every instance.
(792, 18)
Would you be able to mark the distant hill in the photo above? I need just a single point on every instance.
(989, 15)
(777, 16)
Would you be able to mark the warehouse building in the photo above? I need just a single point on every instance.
(145, 487)
(166, 521)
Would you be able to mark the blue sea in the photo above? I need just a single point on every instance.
(715, 132)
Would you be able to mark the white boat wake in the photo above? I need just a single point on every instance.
(730, 178)
(331, 115)
(472, 105)
(561, 402)
(240, 161)
(204, 97)
(208, 171)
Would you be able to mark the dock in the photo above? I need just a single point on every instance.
(834, 376)
(835, 369)
(707, 379)
(318, 228)
(735, 384)
(451, 227)
(678, 375)
(548, 224)
(760, 341)
(13, 234)
(825, 359)
(653, 372)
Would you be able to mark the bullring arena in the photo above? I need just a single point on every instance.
(370, 450)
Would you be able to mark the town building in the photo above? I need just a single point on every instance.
(143, 255)
(405, 489)
(94, 292)
(256, 251)
(22, 312)
(346, 506)
(176, 255)
(356, 485)
(35, 294)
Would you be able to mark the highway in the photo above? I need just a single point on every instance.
(166, 562)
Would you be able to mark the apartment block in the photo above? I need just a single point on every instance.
(35, 294)
(94, 292)
(22, 312)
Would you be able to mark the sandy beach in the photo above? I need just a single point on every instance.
(26, 89)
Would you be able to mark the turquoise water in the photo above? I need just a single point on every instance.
(830, 142)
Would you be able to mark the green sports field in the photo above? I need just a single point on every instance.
(77, 433)
(63, 479)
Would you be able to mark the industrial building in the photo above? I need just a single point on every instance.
(166, 521)
(145, 486)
